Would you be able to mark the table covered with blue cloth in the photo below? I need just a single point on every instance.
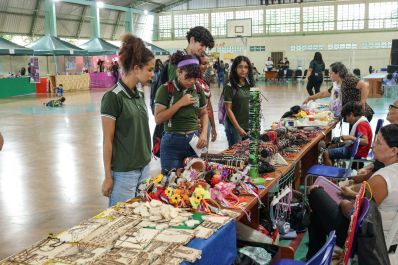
(219, 249)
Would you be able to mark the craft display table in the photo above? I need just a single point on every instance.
(70, 82)
(375, 80)
(271, 75)
(16, 86)
(101, 80)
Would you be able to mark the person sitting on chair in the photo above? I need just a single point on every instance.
(326, 215)
(352, 113)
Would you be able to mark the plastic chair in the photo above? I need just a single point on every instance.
(330, 171)
(323, 257)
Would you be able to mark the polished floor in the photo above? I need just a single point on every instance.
(51, 164)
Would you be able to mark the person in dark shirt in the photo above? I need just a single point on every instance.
(315, 74)
(55, 102)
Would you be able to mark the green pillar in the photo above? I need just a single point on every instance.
(128, 21)
(95, 21)
(50, 19)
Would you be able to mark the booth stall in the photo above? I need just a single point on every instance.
(53, 46)
(12, 85)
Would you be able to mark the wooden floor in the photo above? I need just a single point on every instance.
(51, 164)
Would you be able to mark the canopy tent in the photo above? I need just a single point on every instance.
(98, 46)
(50, 45)
(9, 48)
(156, 50)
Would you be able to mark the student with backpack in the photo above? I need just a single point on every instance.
(199, 39)
(178, 104)
(236, 100)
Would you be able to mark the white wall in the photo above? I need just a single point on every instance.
(358, 58)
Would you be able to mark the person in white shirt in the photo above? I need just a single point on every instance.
(327, 215)
(269, 64)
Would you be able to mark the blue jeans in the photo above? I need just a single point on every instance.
(339, 153)
(125, 184)
(232, 134)
(220, 79)
(174, 148)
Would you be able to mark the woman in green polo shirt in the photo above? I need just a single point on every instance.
(236, 98)
(126, 135)
(178, 104)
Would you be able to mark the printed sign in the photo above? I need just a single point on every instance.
(34, 72)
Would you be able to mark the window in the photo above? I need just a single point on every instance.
(257, 48)
(342, 46)
(282, 20)
(306, 47)
(376, 45)
(257, 17)
(350, 17)
(229, 49)
(165, 27)
(318, 18)
(182, 23)
(219, 23)
(383, 15)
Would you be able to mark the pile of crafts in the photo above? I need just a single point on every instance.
(285, 141)
(204, 187)
(312, 114)
(129, 233)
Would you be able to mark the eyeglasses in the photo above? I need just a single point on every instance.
(392, 106)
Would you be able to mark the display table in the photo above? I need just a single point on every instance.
(102, 80)
(375, 80)
(70, 82)
(225, 238)
(17, 86)
(271, 75)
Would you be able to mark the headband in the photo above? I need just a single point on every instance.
(187, 62)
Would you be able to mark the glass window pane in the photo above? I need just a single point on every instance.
(350, 17)
(282, 20)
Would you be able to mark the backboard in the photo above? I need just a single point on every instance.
(239, 28)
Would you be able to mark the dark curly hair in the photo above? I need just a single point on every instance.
(202, 35)
(234, 78)
(353, 107)
(192, 70)
(133, 52)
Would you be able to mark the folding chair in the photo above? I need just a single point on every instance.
(322, 257)
(331, 172)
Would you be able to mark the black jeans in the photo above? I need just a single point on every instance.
(326, 216)
(314, 81)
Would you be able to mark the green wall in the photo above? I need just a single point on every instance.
(10, 87)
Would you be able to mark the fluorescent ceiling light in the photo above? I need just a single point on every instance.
(100, 4)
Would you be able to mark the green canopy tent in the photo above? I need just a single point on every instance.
(50, 45)
(155, 49)
(54, 46)
(12, 49)
(9, 48)
(98, 46)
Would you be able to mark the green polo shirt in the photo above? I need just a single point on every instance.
(186, 118)
(131, 149)
(240, 103)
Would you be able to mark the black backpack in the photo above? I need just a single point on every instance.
(159, 128)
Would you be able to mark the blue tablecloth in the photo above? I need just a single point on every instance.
(219, 249)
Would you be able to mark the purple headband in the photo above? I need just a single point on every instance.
(187, 62)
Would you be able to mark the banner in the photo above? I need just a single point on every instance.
(70, 63)
(34, 70)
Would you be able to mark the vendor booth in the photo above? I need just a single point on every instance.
(53, 46)
(98, 46)
(9, 84)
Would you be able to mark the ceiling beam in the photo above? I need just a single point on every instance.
(169, 6)
(34, 19)
(119, 15)
(81, 22)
